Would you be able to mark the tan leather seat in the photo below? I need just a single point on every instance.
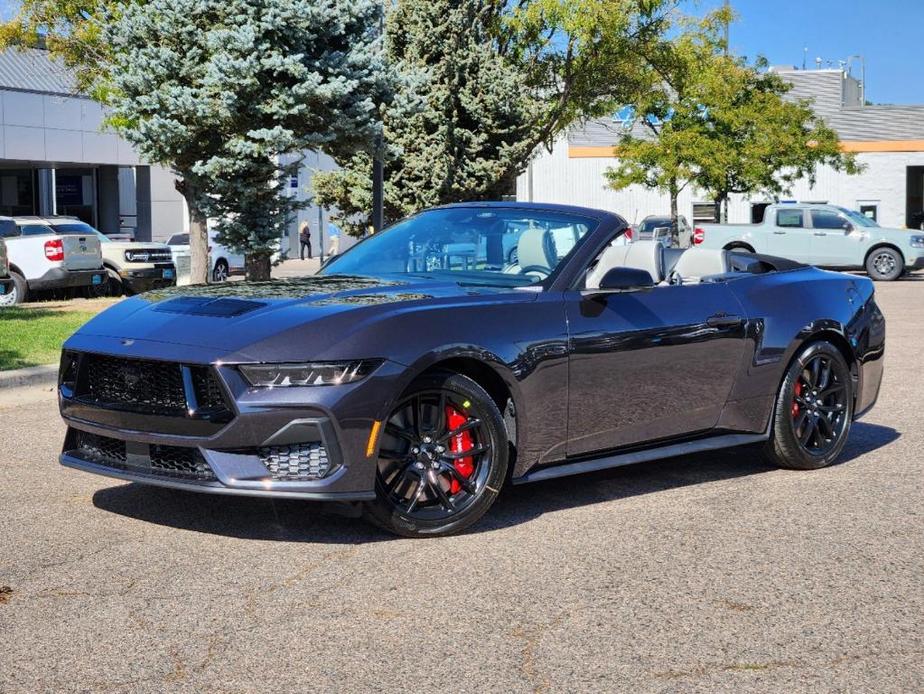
(696, 263)
(641, 255)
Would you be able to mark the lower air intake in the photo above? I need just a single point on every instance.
(176, 461)
(298, 462)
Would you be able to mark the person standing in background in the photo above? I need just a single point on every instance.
(334, 232)
(304, 237)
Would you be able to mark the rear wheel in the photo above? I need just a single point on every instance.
(18, 292)
(814, 410)
(885, 264)
(442, 458)
(221, 271)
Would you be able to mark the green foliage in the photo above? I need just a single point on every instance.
(483, 84)
(721, 124)
(72, 31)
(218, 90)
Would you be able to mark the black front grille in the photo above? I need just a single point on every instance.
(178, 461)
(101, 449)
(162, 461)
(152, 387)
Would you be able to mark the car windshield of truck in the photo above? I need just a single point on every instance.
(652, 223)
(36, 230)
(179, 240)
(471, 245)
(75, 228)
(858, 218)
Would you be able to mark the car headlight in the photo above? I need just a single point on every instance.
(917, 241)
(309, 374)
(137, 256)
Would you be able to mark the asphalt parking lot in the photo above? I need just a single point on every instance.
(710, 572)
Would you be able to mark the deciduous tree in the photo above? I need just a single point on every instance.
(484, 84)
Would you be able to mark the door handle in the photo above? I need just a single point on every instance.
(723, 320)
(821, 233)
(779, 232)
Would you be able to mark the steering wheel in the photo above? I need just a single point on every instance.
(543, 272)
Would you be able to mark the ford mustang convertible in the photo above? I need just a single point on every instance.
(428, 366)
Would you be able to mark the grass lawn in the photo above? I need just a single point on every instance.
(30, 336)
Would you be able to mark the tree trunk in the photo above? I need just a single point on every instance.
(721, 208)
(675, 228)
(258, 267)
(198, 235)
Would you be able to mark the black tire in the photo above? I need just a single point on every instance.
(885, 264)
(814, 410)
(18, 294)
(513, 256)
(414, 482)
(220, 272)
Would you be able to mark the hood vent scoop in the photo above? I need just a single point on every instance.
(202, 306)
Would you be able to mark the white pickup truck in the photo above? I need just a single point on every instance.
(41, 261)
(823, 235)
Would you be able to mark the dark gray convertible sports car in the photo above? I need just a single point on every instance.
(422, 370)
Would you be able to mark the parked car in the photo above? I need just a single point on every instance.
(6, 282)
(223, 262)
(823, 235)
(412, 387)
(661, 228)
(42, 260)
(131, 266)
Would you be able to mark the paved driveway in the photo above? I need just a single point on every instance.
(699, 573)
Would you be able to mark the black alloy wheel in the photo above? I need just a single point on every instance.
(442, 458)
(814, 410)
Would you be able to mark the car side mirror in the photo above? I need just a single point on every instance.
(623, 278)
(848, 227)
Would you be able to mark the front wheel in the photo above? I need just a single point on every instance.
(885, 265)
(442, 458)
(814, 409)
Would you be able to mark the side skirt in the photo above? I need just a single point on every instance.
(618, 460)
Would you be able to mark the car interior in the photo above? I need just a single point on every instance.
(679, 266)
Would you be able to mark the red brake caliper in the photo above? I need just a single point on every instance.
(457, 444)
(797, 392)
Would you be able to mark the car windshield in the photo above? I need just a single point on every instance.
(179, 240)
(652, 223)
(75, 228)
(859, 218)
(471, 245)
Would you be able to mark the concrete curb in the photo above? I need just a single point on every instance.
(44, 375)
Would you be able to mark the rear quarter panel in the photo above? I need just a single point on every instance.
(784, 311)
(718, 236)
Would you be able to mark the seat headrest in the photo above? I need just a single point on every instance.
(534, 249)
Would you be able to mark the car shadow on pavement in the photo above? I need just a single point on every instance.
(296, 521)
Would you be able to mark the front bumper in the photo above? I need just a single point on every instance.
(61, 278)
(234, 452)
(916, 264)
(146, 279)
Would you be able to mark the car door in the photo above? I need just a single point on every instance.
(649, 364)
(789, 236)
(834, 243)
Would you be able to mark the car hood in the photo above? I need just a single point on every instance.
(133, 245)
(313, 315)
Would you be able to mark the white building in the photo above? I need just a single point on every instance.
(56, 158)
(889, 140)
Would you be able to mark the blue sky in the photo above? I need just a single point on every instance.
(888, 33)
